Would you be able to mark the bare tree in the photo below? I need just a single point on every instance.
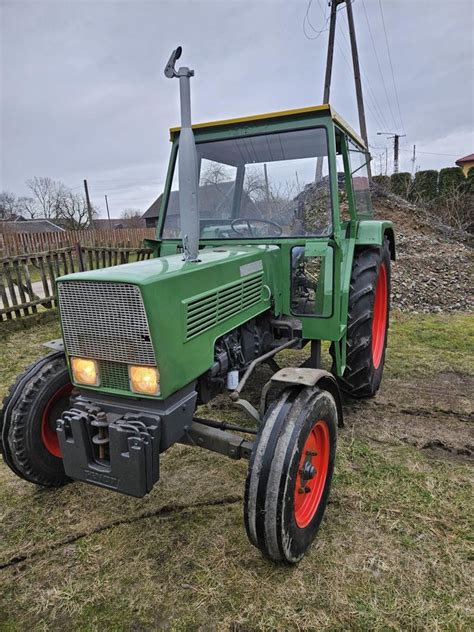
(8, 205)
(49, 194)
(214, 173)
(27, 206)
(133, 217)
(72, 211)
(254, 184)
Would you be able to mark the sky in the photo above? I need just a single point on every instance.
(83, 93)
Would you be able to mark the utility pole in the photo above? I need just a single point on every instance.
(89, 207)
(358, 83)
(328, 75)
(108, 212)
(330, 56)
(396, 146)
(413, 160)
(357, 79)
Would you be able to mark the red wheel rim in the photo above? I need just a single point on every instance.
(312, 473)
(379, 320)
(48, 420)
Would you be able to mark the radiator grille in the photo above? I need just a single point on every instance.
(114, 375)
(106, 321)
(214, 307)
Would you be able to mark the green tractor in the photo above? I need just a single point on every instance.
(265, 242)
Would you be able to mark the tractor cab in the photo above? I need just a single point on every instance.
(278, 175)
(297, 179)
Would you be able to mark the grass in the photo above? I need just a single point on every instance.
(426, 344)
(393, 552)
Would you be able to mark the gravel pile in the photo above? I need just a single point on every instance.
(433, 273)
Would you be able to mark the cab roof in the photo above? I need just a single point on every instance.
(324, 109)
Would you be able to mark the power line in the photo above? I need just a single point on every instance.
(377, 118)
(431, 153)
(391, 65)
(306, 20)
(379, 65)
(367, 84)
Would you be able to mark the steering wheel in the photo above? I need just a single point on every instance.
(245, 220)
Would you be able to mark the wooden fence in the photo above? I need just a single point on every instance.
(27, 282)
(14, 244)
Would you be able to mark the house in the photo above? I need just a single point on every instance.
(466, 163)
(214, 202)
(118, 223)
(22, 225)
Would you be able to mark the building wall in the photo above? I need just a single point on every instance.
(151, 222)
(465, 166)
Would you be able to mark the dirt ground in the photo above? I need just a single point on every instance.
(393, 552)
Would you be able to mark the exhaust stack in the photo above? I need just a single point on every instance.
(188, 163)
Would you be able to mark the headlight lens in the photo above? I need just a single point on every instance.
(85, 371)
(144, 379)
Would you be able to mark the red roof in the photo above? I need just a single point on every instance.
(469, 158)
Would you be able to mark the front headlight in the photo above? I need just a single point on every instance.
(85, 371)
(144, 380)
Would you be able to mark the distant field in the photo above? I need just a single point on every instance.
(393, 552)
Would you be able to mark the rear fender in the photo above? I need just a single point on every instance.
(372, 233)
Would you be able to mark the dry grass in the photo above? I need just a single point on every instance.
(392, 554)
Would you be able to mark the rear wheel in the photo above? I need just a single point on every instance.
(290, 473)
(367, 323)
(30, 445)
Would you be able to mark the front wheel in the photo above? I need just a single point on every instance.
(28, 417)
(290, 473)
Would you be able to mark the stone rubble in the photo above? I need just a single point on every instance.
(433, 272)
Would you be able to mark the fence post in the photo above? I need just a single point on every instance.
(80, 260)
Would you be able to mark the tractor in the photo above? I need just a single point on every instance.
(265, 242)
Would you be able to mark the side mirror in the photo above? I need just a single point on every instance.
(170, 71)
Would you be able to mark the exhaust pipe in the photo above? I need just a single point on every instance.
(188, 162)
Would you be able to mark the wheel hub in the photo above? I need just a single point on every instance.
(51, 413)
(312, 473)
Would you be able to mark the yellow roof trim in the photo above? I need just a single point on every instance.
(257, 117)
(337, 118)
(284, 113)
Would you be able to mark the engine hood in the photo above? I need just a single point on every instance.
(152, 270)
(187, 305)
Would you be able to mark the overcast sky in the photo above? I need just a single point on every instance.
(83, 93)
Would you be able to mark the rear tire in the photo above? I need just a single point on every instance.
(290, 473)
(367, 323)
(30, 445)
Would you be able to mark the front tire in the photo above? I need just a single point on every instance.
(290, 473)
(30, 445)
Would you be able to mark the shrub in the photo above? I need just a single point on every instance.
(469, 182)
(425, 185)
(383, 182)
(450, 178)
(400, 183)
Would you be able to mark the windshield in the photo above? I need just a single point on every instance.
(273, 185)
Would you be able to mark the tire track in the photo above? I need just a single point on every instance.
(162, 512)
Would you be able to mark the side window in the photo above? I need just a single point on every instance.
(312, 280)
(342, 189)
(343, 179)
(360, 179)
